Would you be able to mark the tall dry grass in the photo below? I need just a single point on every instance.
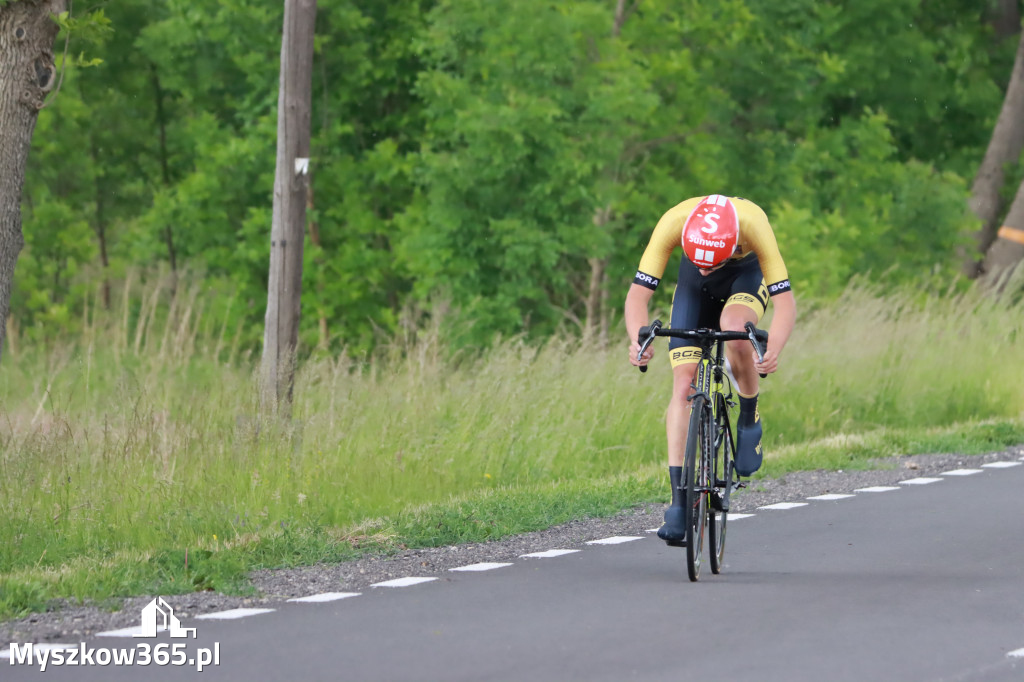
(144, 435)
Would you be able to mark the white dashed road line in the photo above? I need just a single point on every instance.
(128, 632)
(1017, 653)
(830, 497)
(549, 554)
(403, 582)
(1002, 465)
(41, 646)
(484, 566)
(924, 480)
(233, 614)
(876, 489)
(733, 517)
(326, 596)
(961, 472)
(614, 540)
(784, 505)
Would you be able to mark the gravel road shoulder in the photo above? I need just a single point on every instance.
(67, 621)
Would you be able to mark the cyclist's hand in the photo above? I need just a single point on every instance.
(770, 363)
(634, 348)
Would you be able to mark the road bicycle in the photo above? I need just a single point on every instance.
(708, 467)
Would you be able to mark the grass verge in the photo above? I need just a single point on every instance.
(134, 460)
(480, 516)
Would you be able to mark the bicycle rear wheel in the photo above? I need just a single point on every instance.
(722, 474)
(696, 474)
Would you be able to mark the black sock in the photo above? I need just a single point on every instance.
(748, 410)
(675, 477)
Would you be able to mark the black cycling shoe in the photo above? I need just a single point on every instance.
(674, 530)
(718, 501)
(748, 448)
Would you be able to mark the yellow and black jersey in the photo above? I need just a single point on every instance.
(755, 236)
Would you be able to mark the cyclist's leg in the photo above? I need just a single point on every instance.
(677, 422)
(740, 353)
(746, 304)
(677, 419)
(686, 307)
(693, 307)
(689, 311)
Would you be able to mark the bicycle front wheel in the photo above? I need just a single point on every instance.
(722, 473)
(696, 474)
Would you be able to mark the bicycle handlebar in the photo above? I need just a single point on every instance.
(758, 337)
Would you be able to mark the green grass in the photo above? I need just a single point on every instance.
(134, 460)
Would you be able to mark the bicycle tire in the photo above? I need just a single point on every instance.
(722, 472)
(697, 486)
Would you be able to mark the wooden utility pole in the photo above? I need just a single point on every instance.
(291, 179)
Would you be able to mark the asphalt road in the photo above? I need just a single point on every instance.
(921, 583)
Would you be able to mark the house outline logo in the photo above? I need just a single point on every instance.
(168, 621)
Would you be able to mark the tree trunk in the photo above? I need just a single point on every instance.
(621, 15)
(284, 290)
(1008, 248)
(595, 319)
(27, 74)
(101, 220)
(314, 239)
(1005, 19)
(594, 298)
(165, 173)
(1004, 148)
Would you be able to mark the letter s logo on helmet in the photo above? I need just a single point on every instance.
(714, 215)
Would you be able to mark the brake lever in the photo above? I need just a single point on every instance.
(752, 334)
(646, 338)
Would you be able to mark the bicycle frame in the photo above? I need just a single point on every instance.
(709, 376)
(710, 382)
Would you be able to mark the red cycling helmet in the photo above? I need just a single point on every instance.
(711, 232)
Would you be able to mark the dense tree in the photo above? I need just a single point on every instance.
(507, 160)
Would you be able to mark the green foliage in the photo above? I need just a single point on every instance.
(94, 28)
(852, 206)
(488, 158)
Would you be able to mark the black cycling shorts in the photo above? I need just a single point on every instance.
(699, 300)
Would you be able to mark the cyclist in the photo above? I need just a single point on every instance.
(731, 252)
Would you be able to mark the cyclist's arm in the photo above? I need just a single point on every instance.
(783, 321)
(667, 236)
(636, 316)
